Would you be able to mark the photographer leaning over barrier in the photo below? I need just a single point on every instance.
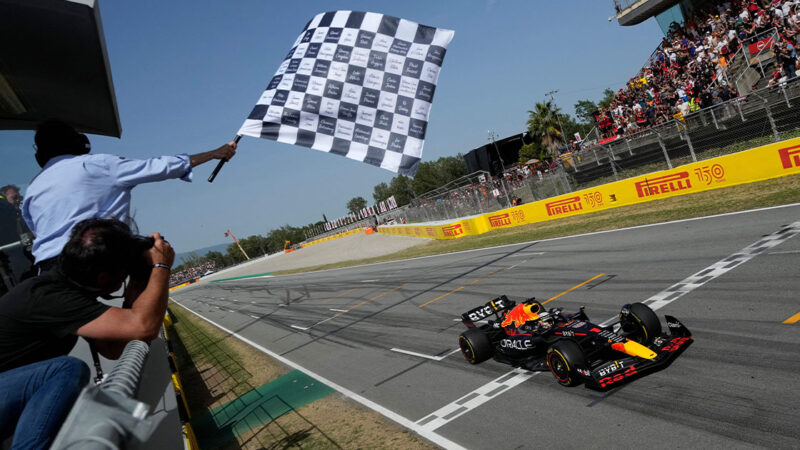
(42, 317)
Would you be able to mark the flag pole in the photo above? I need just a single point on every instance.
(222, 162)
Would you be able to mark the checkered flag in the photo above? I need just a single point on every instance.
(358, 85)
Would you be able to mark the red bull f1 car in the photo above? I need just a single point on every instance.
(571, 347)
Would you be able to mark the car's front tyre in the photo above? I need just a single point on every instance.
(642, 323)
(563, 358)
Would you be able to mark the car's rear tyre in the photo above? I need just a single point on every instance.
(645, 323)
(475, 346)
(563, 358)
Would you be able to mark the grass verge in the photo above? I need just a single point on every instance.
(217, 368)
(777, 191)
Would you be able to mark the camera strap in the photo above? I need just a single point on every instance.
(98, 369)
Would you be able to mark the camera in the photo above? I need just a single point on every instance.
(139, 268)
(142, 244)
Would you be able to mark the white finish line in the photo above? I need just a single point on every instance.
(517, 376)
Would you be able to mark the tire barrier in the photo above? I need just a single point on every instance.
(762, 163)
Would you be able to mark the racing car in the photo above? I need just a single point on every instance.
(574, 349)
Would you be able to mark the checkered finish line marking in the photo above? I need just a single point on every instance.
(356, 84)
(517, 376)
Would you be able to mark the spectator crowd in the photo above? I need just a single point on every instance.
(192, 273)
(688, 70)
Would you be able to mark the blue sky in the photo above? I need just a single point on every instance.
(187, 73)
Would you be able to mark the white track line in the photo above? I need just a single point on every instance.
(426, 433)
(299, 328)
(338, 310)
(422, 355)
(511, 379)
(785, 253)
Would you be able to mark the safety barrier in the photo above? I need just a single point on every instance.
(334, 236)
(107, 415)
(178, 286)
(758, 164)
(190, 441)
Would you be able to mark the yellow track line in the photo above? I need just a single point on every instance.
(343, 293)
(462, 287)
(794, 319)
(374, 298)
(573, 288)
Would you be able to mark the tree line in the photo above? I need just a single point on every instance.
(546, 121)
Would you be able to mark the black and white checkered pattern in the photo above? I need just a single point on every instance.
(358, 85)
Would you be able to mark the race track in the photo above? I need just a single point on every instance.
(387, 332)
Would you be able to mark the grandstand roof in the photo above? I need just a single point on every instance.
(632, 12)
(55, 65)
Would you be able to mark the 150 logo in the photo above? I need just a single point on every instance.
(518, 216)
(709, 174)
(593, 199)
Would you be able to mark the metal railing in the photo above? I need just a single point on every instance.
(743, 86)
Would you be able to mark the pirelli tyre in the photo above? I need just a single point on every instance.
(563, 358)
(644, 322)
(475, 346)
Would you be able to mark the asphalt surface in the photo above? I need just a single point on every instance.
(737, 386)
(357, 246)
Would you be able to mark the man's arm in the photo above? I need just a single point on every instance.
(131, 172)
(115, 327)
(225, 152)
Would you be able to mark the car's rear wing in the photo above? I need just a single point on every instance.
(493, 307)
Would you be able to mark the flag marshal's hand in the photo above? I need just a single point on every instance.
(223, 154)
(226, 152)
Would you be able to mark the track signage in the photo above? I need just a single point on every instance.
(661, 185)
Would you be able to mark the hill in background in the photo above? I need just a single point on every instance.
(201, 251)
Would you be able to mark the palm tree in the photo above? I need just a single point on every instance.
(544, 128)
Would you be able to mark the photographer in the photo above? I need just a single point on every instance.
(42, 317)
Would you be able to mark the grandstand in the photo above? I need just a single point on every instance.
(725, 72)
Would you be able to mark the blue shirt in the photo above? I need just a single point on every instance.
(72, 188)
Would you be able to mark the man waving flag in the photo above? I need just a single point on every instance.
(358, 85)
